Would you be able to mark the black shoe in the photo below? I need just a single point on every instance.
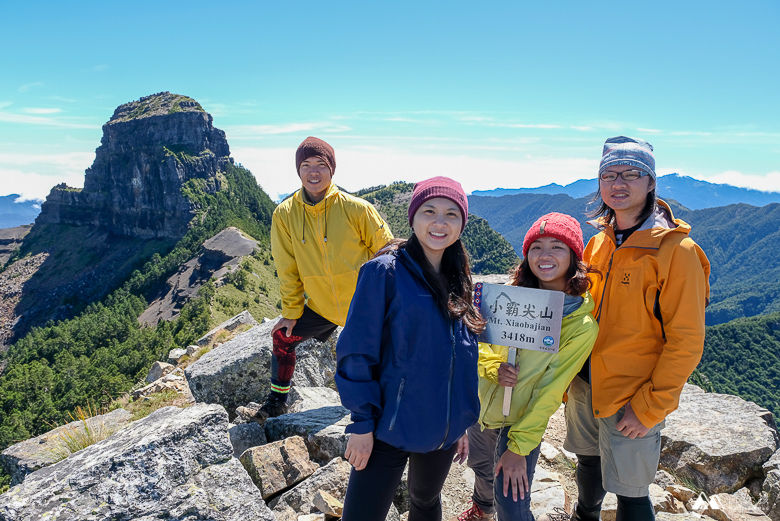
(271, 409)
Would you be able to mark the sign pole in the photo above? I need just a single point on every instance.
(508, 390)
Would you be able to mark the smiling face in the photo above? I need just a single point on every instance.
(315, 176)
(549, 259)
(437, 225)
(626, 198)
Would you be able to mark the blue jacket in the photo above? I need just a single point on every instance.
(406, 370)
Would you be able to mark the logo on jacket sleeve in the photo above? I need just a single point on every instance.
(626, 278)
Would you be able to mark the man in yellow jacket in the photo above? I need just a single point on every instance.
(320, 236)
(650, 300)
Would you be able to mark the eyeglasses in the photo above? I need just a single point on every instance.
(626, 175)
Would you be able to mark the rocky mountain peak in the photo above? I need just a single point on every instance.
(149, 150)
(160, 104)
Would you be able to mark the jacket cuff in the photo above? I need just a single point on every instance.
(361, 427)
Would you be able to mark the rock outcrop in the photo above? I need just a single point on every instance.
(217, 256)
(718, 441)
(149, 150)
(174, 464)
(238, 371)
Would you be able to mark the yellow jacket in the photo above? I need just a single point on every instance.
(541, 381)
(320, 248)
(650, 301)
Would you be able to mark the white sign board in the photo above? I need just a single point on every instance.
(520, 317)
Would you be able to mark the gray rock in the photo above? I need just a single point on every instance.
(332, 478)
(773, 463)
(689, 516)
(663, 479)
(734, 507)
(769, 502)
(238, 372)
(158, 370)
(321, 429)
(277, 466)
(717, 441)
(26, 457)
(174, 464)
(174, 355)
(243, 318)
(308, 398)
(245, 436)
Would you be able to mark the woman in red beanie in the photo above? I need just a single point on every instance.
(407, 360)
(504, 449)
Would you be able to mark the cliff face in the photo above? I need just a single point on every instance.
(149, 149)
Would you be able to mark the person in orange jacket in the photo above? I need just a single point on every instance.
(650, 302)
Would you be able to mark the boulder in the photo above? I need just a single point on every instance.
(245, 436)
(173, 464)
(174, 381)
(308, 398)
(717, 441)
(332, 478)
(321, 429)
(546, 492)
(769, 502)
(238, 372)
(327, 504)
(244, 318)
(26, 457)
(175, 355)
(158, 370)
(277, 466)
(734, 507)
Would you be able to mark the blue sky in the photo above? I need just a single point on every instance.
(494, 94)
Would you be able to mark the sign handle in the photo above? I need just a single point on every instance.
(508, 390)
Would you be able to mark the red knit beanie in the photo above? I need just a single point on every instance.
(439, 187)
(312, 147)
(559, 225)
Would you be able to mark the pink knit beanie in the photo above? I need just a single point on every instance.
(439, 187)
(559, 225)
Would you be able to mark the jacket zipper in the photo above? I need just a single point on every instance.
(449, 387)
(606, 280)
(397, 403)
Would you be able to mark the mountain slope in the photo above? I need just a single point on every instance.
(488, 251)
(742, 243)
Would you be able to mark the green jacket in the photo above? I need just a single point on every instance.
(541, 382)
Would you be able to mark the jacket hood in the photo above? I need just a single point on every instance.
(660, 222)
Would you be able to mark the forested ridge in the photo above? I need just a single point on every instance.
(488, 251)
(104, 351)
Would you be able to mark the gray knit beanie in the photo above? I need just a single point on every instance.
(622, 150)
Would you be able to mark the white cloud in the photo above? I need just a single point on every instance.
(33, 175)
(769, 182)
(257, 131)
(35, 110)
(359, 168)
(28, 86)
(41, 121)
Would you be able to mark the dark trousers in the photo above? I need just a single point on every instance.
(591, 494)
(310, 325)
(370, 491)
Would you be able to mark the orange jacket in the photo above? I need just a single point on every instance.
(650, 300)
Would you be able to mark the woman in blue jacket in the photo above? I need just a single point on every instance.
(407, 360)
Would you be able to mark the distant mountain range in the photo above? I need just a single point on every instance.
(689, 192)
(13, 214)
(741, 241)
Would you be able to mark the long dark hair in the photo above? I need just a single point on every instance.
(577, 280)
(609, 214)
(452, 287)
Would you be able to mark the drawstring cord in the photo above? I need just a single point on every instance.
(303, 229)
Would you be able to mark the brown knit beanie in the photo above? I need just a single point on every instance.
(312, 147)
(559, 225)
(439, 186)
